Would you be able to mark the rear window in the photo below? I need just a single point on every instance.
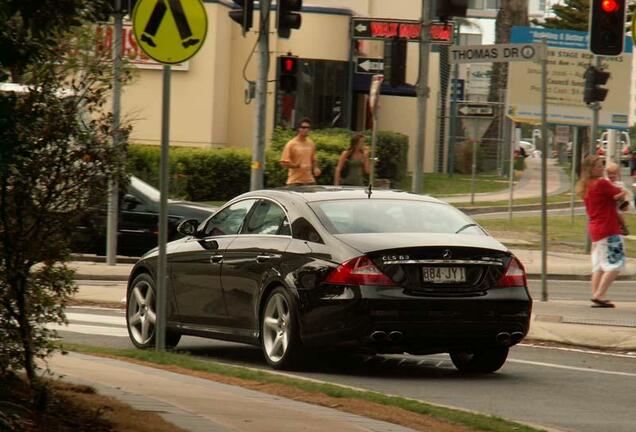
(392, 216)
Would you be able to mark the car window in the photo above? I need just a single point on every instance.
(229, 220)
(393, 216)
(267, 218)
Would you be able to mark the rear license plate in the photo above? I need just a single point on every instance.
(443, 274)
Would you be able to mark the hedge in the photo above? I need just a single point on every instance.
(219, 174)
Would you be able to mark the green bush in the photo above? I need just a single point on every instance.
(219, 174)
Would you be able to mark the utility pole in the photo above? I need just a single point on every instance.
(422, 95)
(258, 145)
(113, 189)
(544, 172)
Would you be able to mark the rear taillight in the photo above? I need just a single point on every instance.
(514, 275)
(358, 271)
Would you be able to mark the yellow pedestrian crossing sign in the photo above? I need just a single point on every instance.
(170, 31)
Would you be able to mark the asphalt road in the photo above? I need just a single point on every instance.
(564, 389)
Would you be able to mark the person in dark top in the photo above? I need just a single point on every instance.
(353, 164)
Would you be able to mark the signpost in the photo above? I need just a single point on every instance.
(475, 118)
(168, 38)
(374, 96)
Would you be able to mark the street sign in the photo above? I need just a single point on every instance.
(442, 32)
(173, 37)
(499, 53)
(480, 110)
(381, 28)
(374, 92)
(365, 65)
(458, 88)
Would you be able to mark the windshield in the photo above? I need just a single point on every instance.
(144, 189)
(392, 216)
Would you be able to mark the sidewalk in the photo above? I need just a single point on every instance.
(201, 405)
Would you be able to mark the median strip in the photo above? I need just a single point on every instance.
(395, 409)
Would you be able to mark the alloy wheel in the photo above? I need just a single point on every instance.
(276, 327)
(141, 312)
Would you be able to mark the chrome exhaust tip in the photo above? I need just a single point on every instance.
(395, 336)
(503, 338)
(378, 336)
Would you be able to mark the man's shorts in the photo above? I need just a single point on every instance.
(608, 254)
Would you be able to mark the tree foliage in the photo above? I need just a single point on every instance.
(573, 15)
(56, 158)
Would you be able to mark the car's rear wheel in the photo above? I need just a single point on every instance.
(480, 360)
(141, 315)
(280, 338)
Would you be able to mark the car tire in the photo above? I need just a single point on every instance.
(280, 335)
(141, 316)
(481, 360)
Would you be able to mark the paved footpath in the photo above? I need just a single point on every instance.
(201, 405)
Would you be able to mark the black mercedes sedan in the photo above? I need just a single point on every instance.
(292, 270)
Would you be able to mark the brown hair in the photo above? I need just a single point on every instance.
(355, 139)
(586, 174)
(303, 120)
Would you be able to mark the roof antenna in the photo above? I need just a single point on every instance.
(369, 191)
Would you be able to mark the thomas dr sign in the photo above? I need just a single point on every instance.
(496, 53)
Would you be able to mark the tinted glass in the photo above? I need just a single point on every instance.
(267, 218)
(392, 216)
(229, 220)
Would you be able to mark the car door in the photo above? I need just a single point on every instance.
(196, 268)
(251, 259)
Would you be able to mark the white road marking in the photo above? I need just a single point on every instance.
(573, 368)
(91, 324)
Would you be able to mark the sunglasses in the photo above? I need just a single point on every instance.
(305, 127)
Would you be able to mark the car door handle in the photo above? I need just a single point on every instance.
(263, 258)
(216, 259)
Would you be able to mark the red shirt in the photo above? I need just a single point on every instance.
(601, 209)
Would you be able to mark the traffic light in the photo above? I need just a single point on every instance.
(607, 27)
(287, 16)
(451, 8)
(288, 73)
(594, 78)
(243, 14)
(395, 61)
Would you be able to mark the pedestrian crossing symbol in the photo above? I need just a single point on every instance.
(170, 31)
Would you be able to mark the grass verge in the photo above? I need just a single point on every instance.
(440, 184)
(448, 419)
(552, 199)
(563, 235)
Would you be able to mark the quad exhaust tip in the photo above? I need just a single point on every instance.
(382, 336)
(504, 339)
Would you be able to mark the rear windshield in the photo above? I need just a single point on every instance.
(392, 216)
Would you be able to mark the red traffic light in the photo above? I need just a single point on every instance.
(609, 6)
(289, 64)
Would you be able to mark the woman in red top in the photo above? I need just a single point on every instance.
(608, 251)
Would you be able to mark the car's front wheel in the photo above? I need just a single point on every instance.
(280, 338)
(141, 315)
(480, 360)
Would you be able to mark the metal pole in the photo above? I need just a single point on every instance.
(163, 212)
(113, 187)
(544, 173)
(258, 145)
(575, 158)
(596, 107)
(473, 177)
(512, 170)
(611, 150)
(452, 141)
(500, 142)
(374, 139)
(422, 95)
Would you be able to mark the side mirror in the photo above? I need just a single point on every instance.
(131, 201)
(188, 227)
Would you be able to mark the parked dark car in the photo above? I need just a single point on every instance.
(138, 221)
(386, 272)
